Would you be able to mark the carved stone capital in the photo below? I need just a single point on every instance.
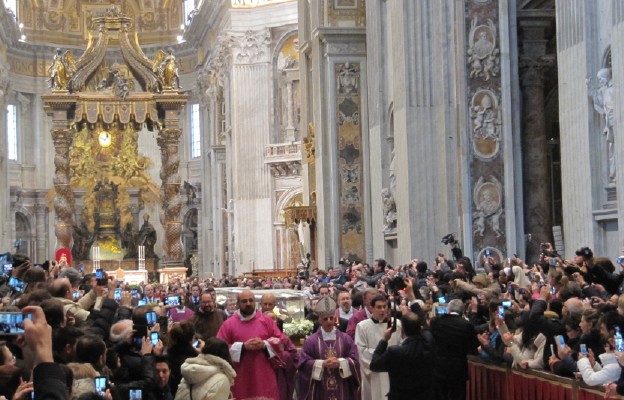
(251, 46)
(532, 69)
(40, 210)
(169, 137)
(62, 137)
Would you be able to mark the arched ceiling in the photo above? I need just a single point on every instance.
(65, 23)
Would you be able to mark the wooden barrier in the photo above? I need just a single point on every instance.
(500, 382)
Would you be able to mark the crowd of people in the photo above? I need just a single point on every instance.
(401, 332)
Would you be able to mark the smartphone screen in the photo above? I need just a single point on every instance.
(150, 318)
(137, 340)
(552, 290)
(507, 303)
(117, 295)
(442, 300)
(75, 295)
(583, 349)
(17, 285)
(172, 301)
(154, 337)
(142, 302)
(12, 323)
(619, 346)
(196, 344)
(136, 394)
(501, 312)
(441, 310)
(100, 385)
(135, 293)
(99, 273)
(561, 341)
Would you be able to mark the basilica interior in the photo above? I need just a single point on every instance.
(237, 137)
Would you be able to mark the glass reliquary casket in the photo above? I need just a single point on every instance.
(289, 304)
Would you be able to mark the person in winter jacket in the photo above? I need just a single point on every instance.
(208, 376)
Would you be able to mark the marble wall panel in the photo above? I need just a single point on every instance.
(487, 165)
(350, 160)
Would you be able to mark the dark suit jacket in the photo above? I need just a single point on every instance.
(409, 366)
(549, 327)
(455, 338)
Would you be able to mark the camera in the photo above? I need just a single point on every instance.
(449, 238)
(397, 283)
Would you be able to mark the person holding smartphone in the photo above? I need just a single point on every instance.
(455, 338)
(408, 364)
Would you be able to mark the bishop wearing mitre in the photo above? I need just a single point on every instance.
(329, 364)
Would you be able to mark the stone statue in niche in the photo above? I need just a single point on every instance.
(603, 98)
(483, 56)
(391, 170)
(487, 198)
(389, 211)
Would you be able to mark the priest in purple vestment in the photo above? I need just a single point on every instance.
(247, 333)
(329, 366)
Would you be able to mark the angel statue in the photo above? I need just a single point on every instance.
(166, 67)
(61, 70)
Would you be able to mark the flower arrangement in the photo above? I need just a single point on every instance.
(298, 328)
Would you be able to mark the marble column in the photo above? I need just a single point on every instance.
(62, 136)
(536, 178)
(169, 140)
(41, 233)
(5, 199)
(251, 87)
(576, 47)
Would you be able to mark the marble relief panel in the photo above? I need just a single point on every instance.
(486, 124)
(484, 127)
(350, 160)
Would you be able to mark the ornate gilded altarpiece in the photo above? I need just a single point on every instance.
(98, 110)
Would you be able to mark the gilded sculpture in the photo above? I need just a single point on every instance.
(61, 70)
(165, 66)
(118, 164)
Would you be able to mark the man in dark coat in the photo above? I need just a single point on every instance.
(455, 338)
(409, 365)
